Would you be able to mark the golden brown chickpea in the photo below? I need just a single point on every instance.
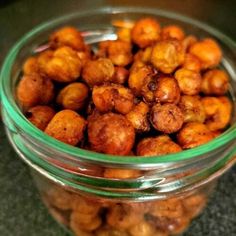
(191, 63)
(30, 66)
(122, 173)
(66, 126)
(40, 116)
(73, 96)
(124, 34)
(145, 32)
(138, 117)
(143, 228)
(113, 97)
(119, 52)
(194, 204)
(143, 55)
(123, 216)
(43, 59)
(67, 36)
(208, 52)
(167, 118)
(218, 112)
(98, 71)
(194, 134)
(192, 109)
(189, 81)
(102, 48)
(157, 146)
(140, 75)
(109, 231)
(64, 66)
(167, 90)
(34, 90)
(167, 55)
(85, 55)
(111, 134)
(120, 76)
(172, 32)
(215, 82)
(188, 41)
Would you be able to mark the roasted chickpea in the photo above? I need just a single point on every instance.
(109, 231)
(113, 97)
(119, 52)
(218, 112)
(167, 55)
(121, 173)
(98, 71)
(120, 76)
(73, 96)
(124, 34)
(194, 134)
(192, 109)
(188, 41)
(167, 90)
(111, 134)
(167, 118)
(191, 62)
(67, 36)
(64, 66)
(145, 32)
(138, 117)
(189, 81)
(40, 116)
(172, 32)
(66, 126)
(123, 216)
(215, 82)
(207, 51)
(85, 55)
(43, 59)
(143, 228)
(34, 90)
(30, 66)
(140, 75)
(157, 146)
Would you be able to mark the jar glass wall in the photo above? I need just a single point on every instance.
(168, 191)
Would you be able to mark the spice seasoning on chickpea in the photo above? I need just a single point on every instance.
(151, 92)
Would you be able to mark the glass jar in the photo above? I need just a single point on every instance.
(161, 195)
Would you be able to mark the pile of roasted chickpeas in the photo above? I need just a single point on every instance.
(153, 91)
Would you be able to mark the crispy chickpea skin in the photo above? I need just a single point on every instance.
(113, 97)
(194, 134)
(167, 90)
(121, 75)
(67, 126)
(191, 62)
(123, 216)
(40, 116)
(167, 118)
(192, 109)
(215, 82)
(73, 96)
(111, 134)
(157, 146)
(218, 112)
(188, 41)
(64, 66)
(167, 55)
(138, 117)
(145, 32)
(172, 32)
(67, 36)
(98, 71)
(207, 51)
(140, 74)
(124, 34)
(43, 59)
(119, 52)
(34, 90)
(30, 66)
(189, 81)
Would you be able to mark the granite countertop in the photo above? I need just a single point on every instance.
(21, 210)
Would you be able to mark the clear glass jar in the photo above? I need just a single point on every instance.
(168, 192)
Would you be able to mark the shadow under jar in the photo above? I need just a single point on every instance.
(169, 191)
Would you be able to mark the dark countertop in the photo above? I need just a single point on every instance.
(21, 210)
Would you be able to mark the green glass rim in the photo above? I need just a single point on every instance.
(20, 120)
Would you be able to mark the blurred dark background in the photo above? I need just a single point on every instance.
(21, 211)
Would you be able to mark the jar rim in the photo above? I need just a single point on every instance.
(19, 119)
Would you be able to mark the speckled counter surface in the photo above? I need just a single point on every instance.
(21, 210)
